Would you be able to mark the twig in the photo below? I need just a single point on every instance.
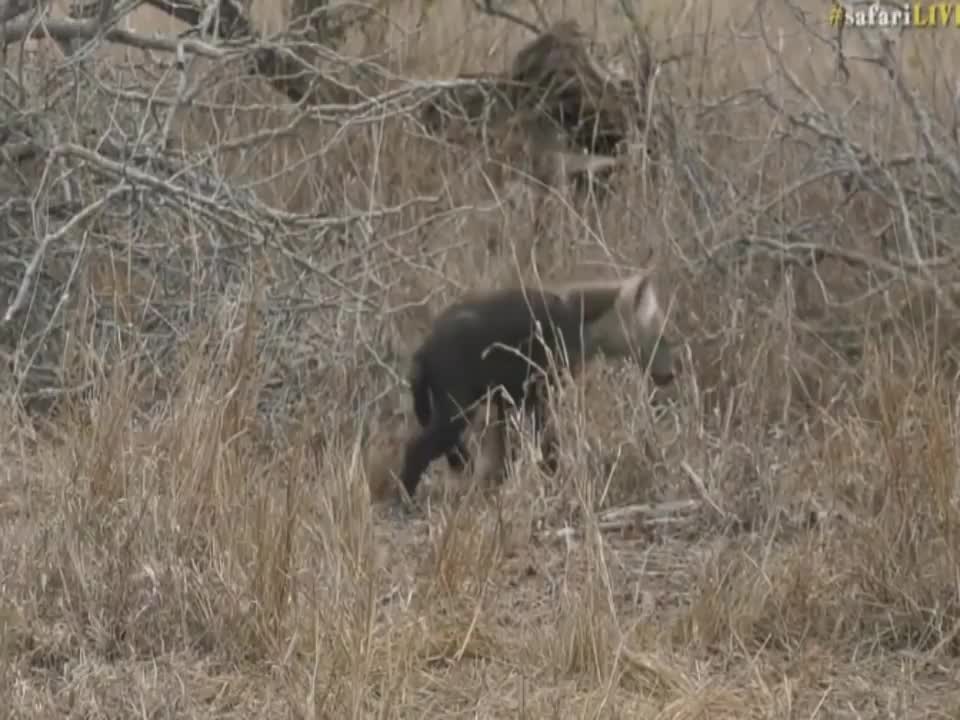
(701, 487)
(487, 8)
(34, 263)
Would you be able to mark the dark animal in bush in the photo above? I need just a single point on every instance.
(555, 77)
(575, 113)
(515, 343)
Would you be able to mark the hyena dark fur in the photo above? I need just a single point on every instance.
(480, 345)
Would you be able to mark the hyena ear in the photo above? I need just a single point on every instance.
(641, 293)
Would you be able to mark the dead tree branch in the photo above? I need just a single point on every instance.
(487, 8)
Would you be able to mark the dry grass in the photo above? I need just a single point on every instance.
(189, 562)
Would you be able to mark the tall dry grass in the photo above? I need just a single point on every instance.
(781, 541)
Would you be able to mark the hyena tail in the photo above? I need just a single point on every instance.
(423, 396)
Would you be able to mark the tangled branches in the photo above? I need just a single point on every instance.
(119, 236)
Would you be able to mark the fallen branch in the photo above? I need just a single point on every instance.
(622, 518)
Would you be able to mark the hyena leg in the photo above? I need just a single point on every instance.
(508, 447)
(458, 457)
(536, 405)
(491, 461)
(442, 435)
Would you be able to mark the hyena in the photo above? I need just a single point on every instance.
(556, 74)
(572, 117)
(505, 342)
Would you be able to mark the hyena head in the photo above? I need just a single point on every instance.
(624, 319)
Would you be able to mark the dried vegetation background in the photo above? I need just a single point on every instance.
(216, 254)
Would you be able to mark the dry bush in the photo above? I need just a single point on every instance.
(212, 276)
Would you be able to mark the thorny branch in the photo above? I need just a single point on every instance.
(487, 7)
